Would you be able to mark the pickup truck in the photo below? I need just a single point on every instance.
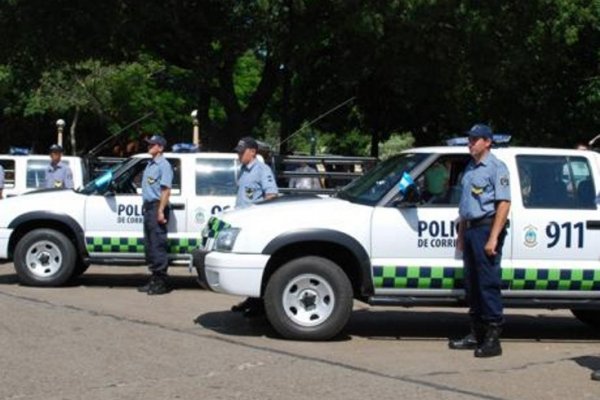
(377, 241)
(25, 173)
(52, 236)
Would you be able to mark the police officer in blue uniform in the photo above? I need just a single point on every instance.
(255, 183)
(156, 189)
(483, 211)
(1, 181)
(58, 174)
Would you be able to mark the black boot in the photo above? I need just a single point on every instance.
(596, 375)
(146, 287)
(472, 340)
(160, 285)
(251, 307)
(491, 343)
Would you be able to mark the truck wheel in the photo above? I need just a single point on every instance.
(80, 268)
(309, 298)
(44, 257)
(589, 317)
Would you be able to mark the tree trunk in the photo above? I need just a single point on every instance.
(375, 144)
(72, 130)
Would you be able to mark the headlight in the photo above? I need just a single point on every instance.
(226, 239)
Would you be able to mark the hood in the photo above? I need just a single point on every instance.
(263, 222)
(56, 201)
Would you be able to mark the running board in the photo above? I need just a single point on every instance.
(549, 303)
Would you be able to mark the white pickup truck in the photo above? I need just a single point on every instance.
(52, 236)
(309, 257)
(26, 173)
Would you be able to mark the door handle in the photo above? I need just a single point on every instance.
(592, 225)
(177, 206)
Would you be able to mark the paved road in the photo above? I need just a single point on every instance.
(100, 339)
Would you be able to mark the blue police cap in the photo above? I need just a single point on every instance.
(56, 148)
(482, 131)
(246, 143)
(157, 139)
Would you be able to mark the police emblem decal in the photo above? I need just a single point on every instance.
(249, 192)
(530, 236)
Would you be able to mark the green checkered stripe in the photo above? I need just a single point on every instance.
(214, 225)
(430, 277)
(136, 245)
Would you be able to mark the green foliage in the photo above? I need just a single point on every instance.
(395, 144)
(264, 67)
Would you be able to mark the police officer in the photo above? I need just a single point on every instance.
(156, 189)
(58, 174)
(483, 211)
(256, 183)
(1, 181)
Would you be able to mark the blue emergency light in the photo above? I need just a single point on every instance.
(499, 139)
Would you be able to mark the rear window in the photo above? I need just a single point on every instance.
(36, 172)
(556, 182)
(9, 173)
(216, 177)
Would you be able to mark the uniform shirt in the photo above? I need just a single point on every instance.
(256, 180)
(59, 176)
(1, 177)
(158, 173)
(483, 184)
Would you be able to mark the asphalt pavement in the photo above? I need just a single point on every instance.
(98, 338)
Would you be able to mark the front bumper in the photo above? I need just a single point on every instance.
(231, 273)
(4, 238)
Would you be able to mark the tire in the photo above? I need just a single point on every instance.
(589, 317)
(80, 268)
(44, 257)
(309, 298)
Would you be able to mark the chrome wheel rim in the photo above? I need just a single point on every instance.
(43, 259)
(308, 300)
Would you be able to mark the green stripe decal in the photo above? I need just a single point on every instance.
(426, 277)
(136, 245)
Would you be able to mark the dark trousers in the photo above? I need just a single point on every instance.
(483, 277)
(155, 239)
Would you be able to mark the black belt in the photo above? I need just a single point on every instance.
(147, 205)
(474, 223)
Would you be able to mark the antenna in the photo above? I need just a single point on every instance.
(303, 127)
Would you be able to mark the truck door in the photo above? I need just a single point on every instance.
(114, 221)
(557, 232)
(414, 246)
(214, 188)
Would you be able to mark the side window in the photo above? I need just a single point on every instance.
(556, 182)
(216, 177)
(36, 173)
(9, 173)
(131, 182)
(176, 185)
(440, 183)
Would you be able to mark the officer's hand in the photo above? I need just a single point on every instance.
(160, 217)
(460, 245)
(490, 247)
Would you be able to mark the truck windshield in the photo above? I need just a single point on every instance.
(116, 170)
(370, 188)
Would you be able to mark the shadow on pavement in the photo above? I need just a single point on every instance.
(117, 280)
(411, 324)
(590, 362)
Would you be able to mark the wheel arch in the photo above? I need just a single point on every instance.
(333, 245)
(63, 223)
